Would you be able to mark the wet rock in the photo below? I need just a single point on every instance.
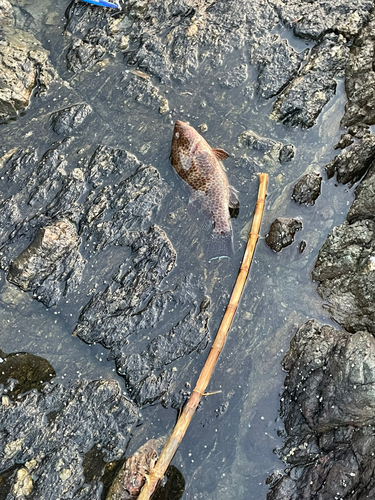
(83, 55)
(302, 101)
(20, 372)
(95, 33)
(190, 334)
(110, 316)
(345, 269)
(363, 207)
(345, 141)
(66, 120)
(278, 64)
(254, 141)
(287, 153)
(144, 91)
(6, 14)
(209, 31)
(48, 212)
(53, 211)
(50, 261)
(235, 78)
(132, 476)
(282, 233)
(328, 407)
(45, 435)
(120, 312)
(307, 189)
(192, 36)
(360, 79)
(349, 166)
(312, 20)
(24, 65)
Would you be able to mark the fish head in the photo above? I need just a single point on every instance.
(185, 137)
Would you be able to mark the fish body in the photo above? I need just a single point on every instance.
(200, 167)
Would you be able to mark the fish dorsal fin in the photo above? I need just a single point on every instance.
(220, 154)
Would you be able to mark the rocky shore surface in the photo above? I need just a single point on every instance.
(78, 230)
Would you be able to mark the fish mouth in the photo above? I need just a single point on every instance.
(181, 125)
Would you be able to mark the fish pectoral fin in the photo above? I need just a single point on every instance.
(220, 154)
(234, 203)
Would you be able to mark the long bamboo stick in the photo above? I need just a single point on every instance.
(170, 448)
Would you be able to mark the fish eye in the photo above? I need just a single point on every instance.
(177, 135)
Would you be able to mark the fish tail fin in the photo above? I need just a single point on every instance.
(220, 245)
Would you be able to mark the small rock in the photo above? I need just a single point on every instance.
(164, 106)
(307, 189)
(287, 153)
(282, 233)
(47, 262)
(345, 141)
(252, 140)
(64, 121)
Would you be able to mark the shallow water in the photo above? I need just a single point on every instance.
(228, 452)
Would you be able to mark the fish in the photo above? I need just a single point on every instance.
(200, 166)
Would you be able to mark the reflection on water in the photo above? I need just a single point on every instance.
(228, 452)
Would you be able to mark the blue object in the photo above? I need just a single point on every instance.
(102, 3)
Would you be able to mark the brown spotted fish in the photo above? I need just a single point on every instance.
(200, 167)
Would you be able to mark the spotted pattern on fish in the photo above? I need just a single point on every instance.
(200, 167)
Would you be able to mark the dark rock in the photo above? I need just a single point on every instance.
(6, 14)
(359, 130)
(278, 64)
(110, 317)
(234, 78)
(328, 411)
(302, 101)
(302, 246)
(50, 216)
(282, 233)
(360, 79)
(314, 19)
(66, 120)
(142, 90)
(363, 207)
(252, 140)
(20, 372)
(349, 166)
(83, 55)
(345, 141)
(345, 269)
(45, 435)
(307, 189)
(193, 32)
(287, 153)
(132, 304)
(43, 198)
(50, 261)
(23, 66)
(190, 334)
(171, 41)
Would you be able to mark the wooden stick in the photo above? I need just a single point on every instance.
(170, 448)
